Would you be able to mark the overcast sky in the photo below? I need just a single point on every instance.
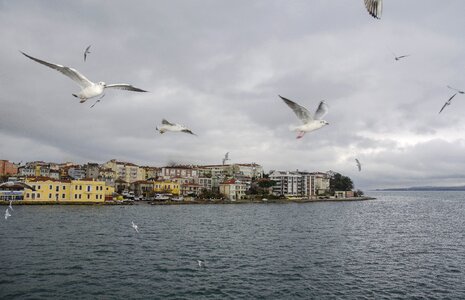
(218, 66)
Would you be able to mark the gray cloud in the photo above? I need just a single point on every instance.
(218, 67)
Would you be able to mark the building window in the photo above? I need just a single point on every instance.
(89, 188)
(79, 196)
(49, 196)
(27, 195)
(80, 187)
(57, 188)
(51, 187)
(38, 195)
(75, 196)
(63, 196)
(88, 196)
(64, 187)
(38, 187)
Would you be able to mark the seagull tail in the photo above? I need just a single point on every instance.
(75, 95)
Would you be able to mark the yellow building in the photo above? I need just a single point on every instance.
(87, 190)
(109, 191)
(167, 186)
(47, 189)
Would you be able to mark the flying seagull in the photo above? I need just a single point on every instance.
(447, 102)
(226, 157)
(359, 166)
(310, 123)
(458, 91)
(16, 184)
(89, 89)
(11, 207)
(200, 262)
(136, 228)
(7, 214)
(86, 52)
(400, 57)
(167, 126)
(374, 7)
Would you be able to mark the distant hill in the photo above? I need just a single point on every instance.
(427, 188)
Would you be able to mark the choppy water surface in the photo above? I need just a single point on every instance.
(402, 245)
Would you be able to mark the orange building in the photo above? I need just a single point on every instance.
(7, 168)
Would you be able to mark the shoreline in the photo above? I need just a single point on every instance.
(191, 202)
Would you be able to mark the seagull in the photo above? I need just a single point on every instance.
(359, 166)
(458, 91)
(226, 157)
(7, 214)
(200, 262)
(136, 228)
(86, 52)
(374, 7)
(400, 57)
(11, 207)
(310, 123)
(447, 102)
(18, 184)
(167, 126)
(89, 89)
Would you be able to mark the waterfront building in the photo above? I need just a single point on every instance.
(167, 187)
(77, 172)
(7, 168)
(87, 190)
(299, 184)
(92, 170)
(107, 175)
(191, 189)
(128, 172)
(205, 182)
(39, 169)
(179, 172)
(233, 189)
(142, 188)
(152, 172)
(49, 189)
(109, 192)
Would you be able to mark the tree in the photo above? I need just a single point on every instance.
(340, 182)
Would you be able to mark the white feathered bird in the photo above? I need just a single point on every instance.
(310, 123)
(173, 127)
(89, 89)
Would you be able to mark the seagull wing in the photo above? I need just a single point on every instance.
(358, 164)
(86, 52)
(188, 131)
(374, 7)
(321, 111)
(301, 112)
(165, 122)
(226, 156)
(80, 79)
(447, 102)
(457, 90)
(124, 86)
(26, 186)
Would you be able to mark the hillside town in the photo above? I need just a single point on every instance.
(118, 180)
